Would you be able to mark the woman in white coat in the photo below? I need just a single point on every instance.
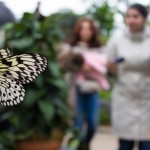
(131, 93)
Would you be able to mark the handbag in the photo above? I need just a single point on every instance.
(88, 86)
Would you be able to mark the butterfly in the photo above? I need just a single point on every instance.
(16, 71)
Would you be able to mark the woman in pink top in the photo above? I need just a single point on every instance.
(85, 39)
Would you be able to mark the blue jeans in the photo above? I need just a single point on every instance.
(129, 145)
(87, 113)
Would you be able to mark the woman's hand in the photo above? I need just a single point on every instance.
(86, 68)
(112, 67)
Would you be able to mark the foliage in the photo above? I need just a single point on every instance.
(65, 20)
(6, 141)
(44, 108)
(104, 15)
(105, 95)
(105, 99)
(105, 117)
(104, 39)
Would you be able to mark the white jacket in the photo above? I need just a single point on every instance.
(131, 93)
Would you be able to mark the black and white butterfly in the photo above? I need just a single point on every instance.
(15, 71)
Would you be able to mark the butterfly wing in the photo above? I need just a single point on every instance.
(15, 70)
(4, 53)
(24, 68)
(11, 92)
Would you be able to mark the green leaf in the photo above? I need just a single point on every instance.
(8, 26)
(25, 135)
(39, 81)
(32, 96)
(15, 120)
(6, 116)
(54, 68)
(47, 109)
(36, 26)
(21, 43)
(27, 17)
(62, 109)
(6, 140)
(58, 83)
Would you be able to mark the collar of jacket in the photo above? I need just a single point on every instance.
(138, 36)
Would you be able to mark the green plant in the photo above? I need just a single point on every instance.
(65, 20)
(44, 110)
(104, 14)
(105, 95)
(105, 117)
(6, 141)
(105, 99)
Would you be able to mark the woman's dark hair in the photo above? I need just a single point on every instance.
(140, 8)
(75, 38)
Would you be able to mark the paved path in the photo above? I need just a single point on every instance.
(104, 140)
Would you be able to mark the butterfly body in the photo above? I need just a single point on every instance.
(15, 71)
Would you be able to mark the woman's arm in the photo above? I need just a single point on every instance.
(64, 56)
(111, 53)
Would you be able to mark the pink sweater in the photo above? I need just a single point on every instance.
(98, 64)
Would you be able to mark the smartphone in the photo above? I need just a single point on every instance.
(119, 60)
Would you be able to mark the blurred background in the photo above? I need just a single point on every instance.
(38, 27)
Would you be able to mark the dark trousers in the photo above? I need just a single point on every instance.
(129, 145)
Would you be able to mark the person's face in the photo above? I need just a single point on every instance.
(85, 32)
(134, 20)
